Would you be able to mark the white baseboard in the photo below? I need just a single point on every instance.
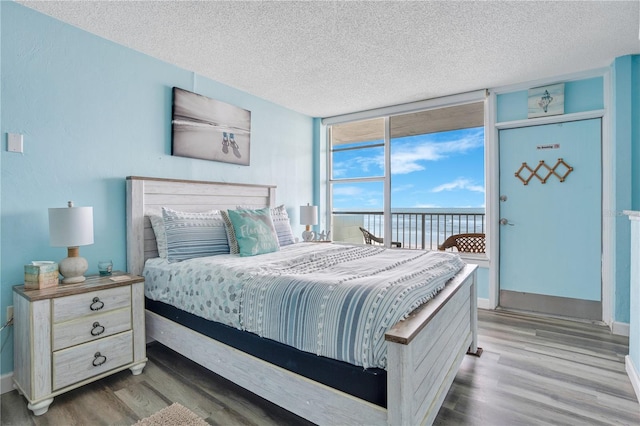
(6, 383)
(620, 328)
(632, 372)
(484, 303)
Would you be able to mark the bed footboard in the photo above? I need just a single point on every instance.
(425, 351)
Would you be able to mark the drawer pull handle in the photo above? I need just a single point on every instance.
(97, 329)
(98, 359)
(97, 304)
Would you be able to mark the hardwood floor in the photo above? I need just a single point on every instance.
(533, 371)
(542, 371)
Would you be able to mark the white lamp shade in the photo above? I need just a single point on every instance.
(308, 215)
(71, 226)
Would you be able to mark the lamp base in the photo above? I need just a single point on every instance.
(73, 269)
(308, 236)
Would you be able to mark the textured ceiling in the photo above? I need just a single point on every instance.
(325, 58)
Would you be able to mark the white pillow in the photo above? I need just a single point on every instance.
(282, 224)
(157, 223)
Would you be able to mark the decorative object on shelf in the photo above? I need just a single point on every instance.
(209, 129)
(71, 227)
(41, 274)
(546, 100)
(322, 237)
(550, 171)
(105, 267)
(308, 217)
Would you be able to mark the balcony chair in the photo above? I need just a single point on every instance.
(369, 238)
(465, 243)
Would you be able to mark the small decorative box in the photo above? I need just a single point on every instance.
(41, 274)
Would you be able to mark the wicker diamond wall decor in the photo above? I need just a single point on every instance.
(560, 166)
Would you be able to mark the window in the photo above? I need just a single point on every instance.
(432, 163)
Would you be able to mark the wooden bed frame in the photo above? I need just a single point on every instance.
(424, 351)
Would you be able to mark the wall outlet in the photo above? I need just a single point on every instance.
(9, 313)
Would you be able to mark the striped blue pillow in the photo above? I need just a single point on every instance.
(191, 235)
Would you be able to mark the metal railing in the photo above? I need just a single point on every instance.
(418, 229)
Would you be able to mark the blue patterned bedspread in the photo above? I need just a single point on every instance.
(329, 299)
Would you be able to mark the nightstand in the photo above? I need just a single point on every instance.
(73, 334)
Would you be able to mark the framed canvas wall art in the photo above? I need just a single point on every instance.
(209, 129)
(546, 100)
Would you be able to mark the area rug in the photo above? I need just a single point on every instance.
(175, 414)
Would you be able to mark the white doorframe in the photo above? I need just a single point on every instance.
(492, 188)
(608, 206)
(609, 212)
(608, 237)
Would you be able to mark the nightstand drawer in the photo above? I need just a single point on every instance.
(89, 303)
(81, 362)
(90, 327)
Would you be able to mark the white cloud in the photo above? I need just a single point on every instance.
(339, 170)
(359, 166)
(402, 188)
(406, 157)
(460, 183)
(351, 191)
(373, 202)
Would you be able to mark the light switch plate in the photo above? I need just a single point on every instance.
(14, 142)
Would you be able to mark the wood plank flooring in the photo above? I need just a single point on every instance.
(534, 371)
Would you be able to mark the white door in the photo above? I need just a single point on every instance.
(551, 232)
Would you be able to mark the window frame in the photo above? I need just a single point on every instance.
(387, 113)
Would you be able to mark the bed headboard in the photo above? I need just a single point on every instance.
(149, 195)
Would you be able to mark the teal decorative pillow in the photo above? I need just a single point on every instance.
(254, 231)
(281, 224)
(192, 235)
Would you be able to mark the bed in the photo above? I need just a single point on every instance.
(423, 351)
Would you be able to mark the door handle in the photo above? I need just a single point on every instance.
(505, 221)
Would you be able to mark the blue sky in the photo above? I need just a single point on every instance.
(436, 170)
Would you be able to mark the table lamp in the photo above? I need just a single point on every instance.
(308, 217)
(71, 227)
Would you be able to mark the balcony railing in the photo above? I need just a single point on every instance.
(413, 228)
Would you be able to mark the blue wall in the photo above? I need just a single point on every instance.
(483, 282)
(93, 112)
(579, 96)
(635, 131)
